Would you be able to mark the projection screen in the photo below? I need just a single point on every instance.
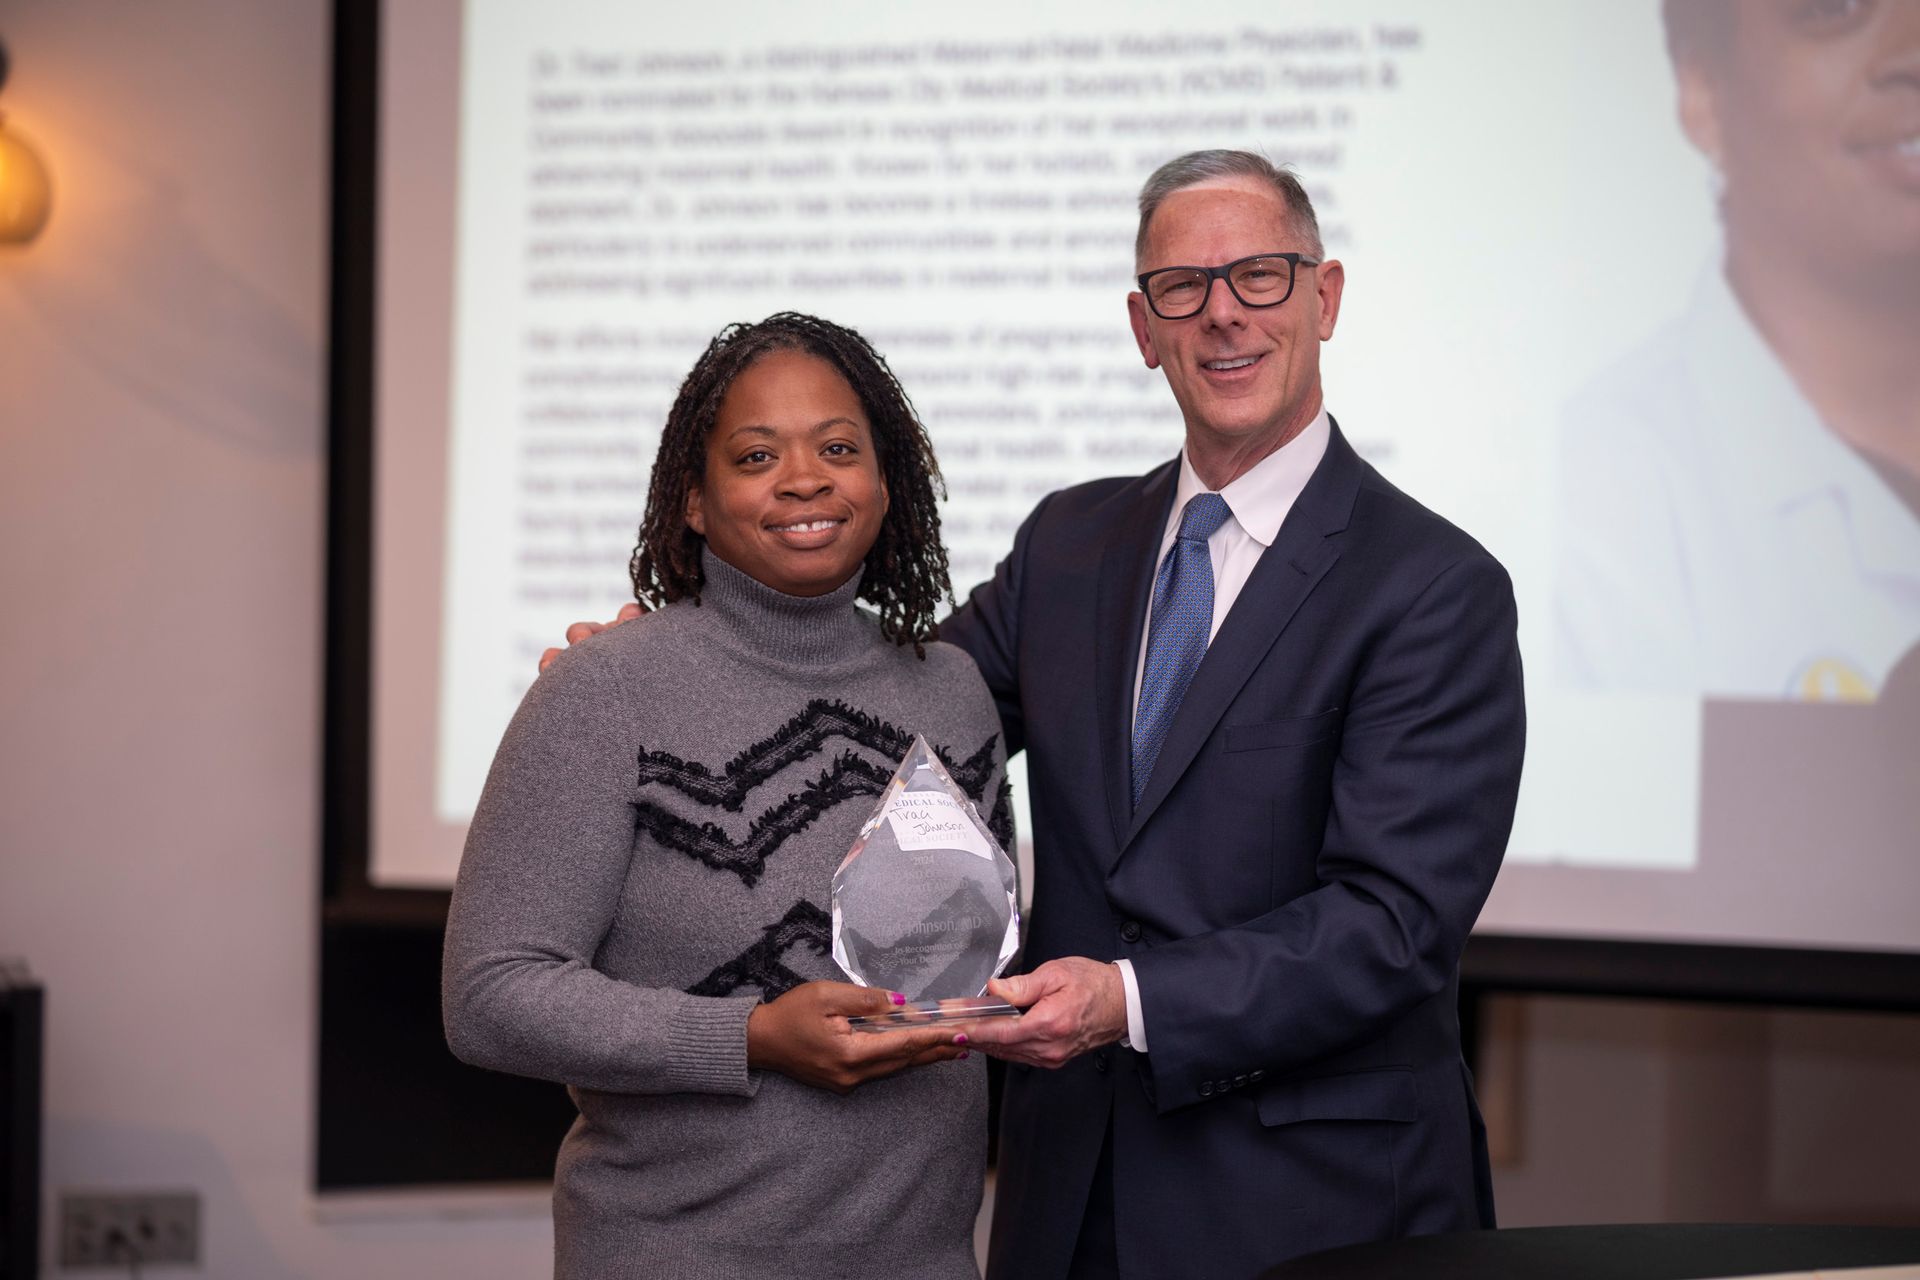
(1538, 341)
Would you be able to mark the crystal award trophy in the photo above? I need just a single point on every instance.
(924, 902)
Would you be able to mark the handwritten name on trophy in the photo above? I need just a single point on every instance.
(934, 820)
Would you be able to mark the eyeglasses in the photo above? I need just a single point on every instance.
(1264, 280)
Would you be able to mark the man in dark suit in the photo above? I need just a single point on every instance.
(1273, 718)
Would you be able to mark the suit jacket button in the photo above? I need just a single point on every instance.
(1239, 1082)
(1130, 931)
(1257, 1076)
(1100, 1063)
(1206, 1088)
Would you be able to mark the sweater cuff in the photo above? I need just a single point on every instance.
(707, 1047)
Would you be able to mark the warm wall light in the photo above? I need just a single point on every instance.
(26, 195)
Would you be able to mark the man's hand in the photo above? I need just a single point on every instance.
(804, 1035)
(1072, 1005)
(581, 630)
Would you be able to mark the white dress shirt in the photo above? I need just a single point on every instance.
(1259, 501)
(1716, 537)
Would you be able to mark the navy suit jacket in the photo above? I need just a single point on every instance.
(1294, 888)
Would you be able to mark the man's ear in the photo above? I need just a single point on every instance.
(1700, 112)
(1329, 282)
(697, 510)
(1142, 336)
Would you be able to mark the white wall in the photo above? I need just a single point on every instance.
(161, 547)
(161, 542)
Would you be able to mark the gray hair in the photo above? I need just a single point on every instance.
(1197, 167)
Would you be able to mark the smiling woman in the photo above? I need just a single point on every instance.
(1778, 556)
(792, 493)
(796, 420)
(639, 908)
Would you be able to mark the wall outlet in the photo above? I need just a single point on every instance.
(112, 1229)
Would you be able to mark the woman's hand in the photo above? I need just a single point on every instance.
(804, 1034)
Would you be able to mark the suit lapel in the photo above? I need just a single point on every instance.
(1302, 553)
(1125, 587)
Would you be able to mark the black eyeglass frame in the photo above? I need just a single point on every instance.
(1294, 262)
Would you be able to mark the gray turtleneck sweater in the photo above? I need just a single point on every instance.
(652, 857)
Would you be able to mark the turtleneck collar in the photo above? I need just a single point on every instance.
(792, 630)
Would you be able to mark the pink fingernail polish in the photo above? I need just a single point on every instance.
(896, 997)
(964, 1055)
(961, 1038)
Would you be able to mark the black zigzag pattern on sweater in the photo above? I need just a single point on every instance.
(795, 740)
(850, 776)
(763, 964)
(1000, 822)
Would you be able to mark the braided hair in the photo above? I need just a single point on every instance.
(906, 570)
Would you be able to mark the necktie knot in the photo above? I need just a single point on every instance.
(1205, 513)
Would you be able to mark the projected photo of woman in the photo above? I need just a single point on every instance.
(1740, 498)
(641, 910)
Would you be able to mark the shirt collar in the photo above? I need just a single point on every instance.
(1764, 431)
(1769, 440)
(1261, 498)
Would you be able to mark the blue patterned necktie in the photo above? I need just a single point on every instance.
(1177, 640)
